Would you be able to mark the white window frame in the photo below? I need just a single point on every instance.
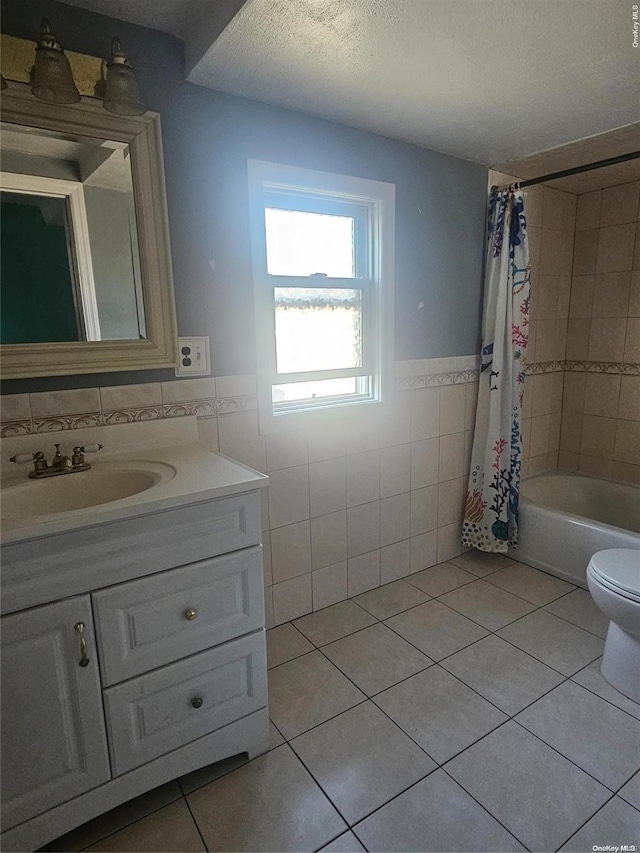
(78, 242)
(267, 180)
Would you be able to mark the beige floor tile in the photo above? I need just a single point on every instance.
(307, 691)
(170, 829)
(285, 643)
(386, 601)
(591, 678)
(376, 658)
(435, 629)
(439, 712)
(553, 641)
(480, 564)
(346, 843)
(631, 791)
(361, 760)
(440, 579)
(116, 819)
(204, 775)
(490, 606)
(580, 609)
(334, 622)
(434, 815)
(593, 734)
(271, 803)
(502, 674)
(617, 822)
(536, 794)
(275, 738)
(537, 587)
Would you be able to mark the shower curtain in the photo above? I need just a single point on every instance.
(491, 507)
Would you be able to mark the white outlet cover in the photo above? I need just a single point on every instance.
(193, 357)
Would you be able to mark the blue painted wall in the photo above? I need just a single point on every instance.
(208, 137)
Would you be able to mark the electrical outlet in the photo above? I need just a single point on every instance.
(193, 357)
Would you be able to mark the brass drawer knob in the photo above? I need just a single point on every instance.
(197, 702)
(191, 614)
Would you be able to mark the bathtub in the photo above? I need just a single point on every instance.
(565, 518)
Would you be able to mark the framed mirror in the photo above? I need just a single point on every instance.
(86, 284)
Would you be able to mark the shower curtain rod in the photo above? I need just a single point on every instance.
(566, 173)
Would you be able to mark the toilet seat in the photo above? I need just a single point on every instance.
(618, 569)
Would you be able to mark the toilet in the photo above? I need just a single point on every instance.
(613, 577)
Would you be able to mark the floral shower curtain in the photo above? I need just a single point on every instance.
(491, 508)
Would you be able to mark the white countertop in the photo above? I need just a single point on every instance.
(200, 475)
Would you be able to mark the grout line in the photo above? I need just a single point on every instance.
(195, 822)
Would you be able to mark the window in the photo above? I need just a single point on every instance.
(323, 279)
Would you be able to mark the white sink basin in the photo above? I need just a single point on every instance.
(103, 484)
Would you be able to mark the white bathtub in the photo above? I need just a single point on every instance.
(565, 518)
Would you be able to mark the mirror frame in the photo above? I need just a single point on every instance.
(142, 134)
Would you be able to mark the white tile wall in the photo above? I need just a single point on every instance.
(359, 501)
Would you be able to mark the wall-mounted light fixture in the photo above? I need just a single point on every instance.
(52, 76)
(122, 95)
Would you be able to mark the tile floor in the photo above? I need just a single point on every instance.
(459, 709)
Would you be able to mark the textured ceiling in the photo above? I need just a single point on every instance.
(486, 80)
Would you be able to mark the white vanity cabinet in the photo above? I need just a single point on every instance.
(54, 745)
(167, 674)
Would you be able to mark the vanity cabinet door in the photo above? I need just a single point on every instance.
(53, 735)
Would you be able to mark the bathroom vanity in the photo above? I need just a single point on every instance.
(133, 642)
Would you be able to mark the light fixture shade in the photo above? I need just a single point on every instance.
(52, 76)
(122, 95)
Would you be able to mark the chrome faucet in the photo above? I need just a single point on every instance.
(60, 464)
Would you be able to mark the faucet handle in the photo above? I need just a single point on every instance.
(21, 458)
(90, 448)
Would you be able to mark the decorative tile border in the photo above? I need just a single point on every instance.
(628, 368)
(539, 367)
(200, 408)
(436, 380)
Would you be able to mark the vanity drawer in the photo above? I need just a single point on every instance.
(154, 621)
(37, 571)
(163, 710)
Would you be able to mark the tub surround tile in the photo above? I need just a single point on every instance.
(395, 561)
(435, 814)
(615, 248)
(306, 691)
(588, 210)
(559, 797)
(620, 204)
(271, 803)
(361, 759)
(423, 551)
